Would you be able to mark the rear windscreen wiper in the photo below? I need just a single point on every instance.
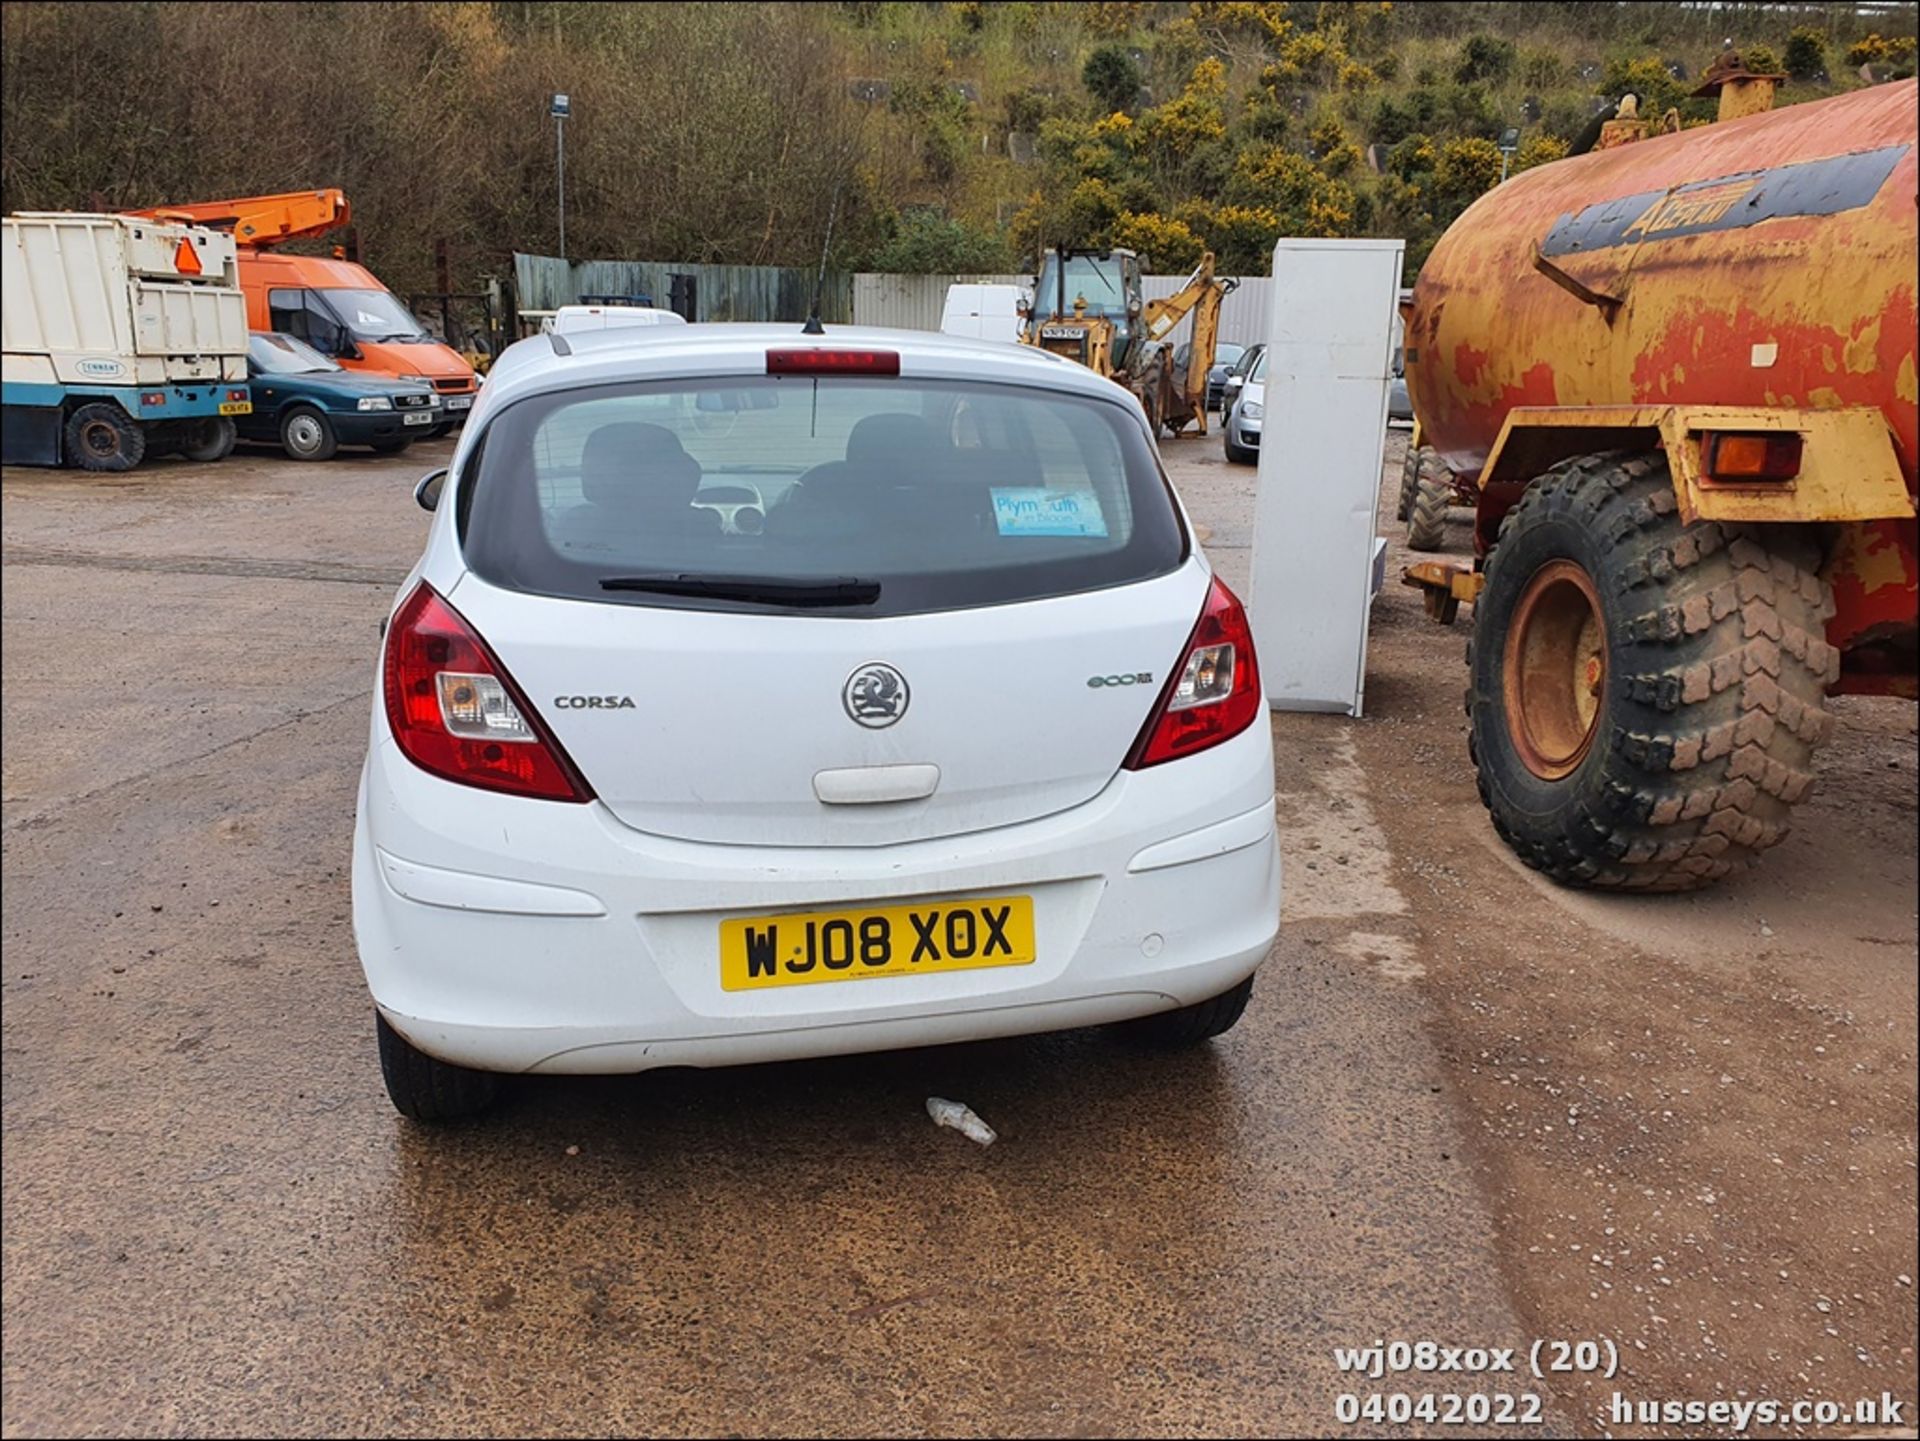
(768, 590)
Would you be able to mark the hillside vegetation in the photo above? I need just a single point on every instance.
(906, 136)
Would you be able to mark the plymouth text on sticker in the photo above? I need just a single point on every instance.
(1040, 510)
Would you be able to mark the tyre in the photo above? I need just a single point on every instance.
(101, 437)
(392, 447)
(1420, 460)
(1239, 454)
(1190, 1025)
(1426, 508)
(444, 428)
(1645, 696)
(211, 440)
(423, 1089)
(306, 434)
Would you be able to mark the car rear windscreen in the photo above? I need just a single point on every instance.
(928, 495)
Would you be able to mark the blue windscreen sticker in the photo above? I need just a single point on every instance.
(1042, 510)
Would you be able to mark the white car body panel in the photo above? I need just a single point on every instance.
(515, 934)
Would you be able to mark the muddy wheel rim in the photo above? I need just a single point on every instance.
(100, 439)
(303, 434)
(1554, 675)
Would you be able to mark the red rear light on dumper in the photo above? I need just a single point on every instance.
(1215, 692)
(455, 711)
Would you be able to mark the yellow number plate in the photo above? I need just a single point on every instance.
(793, 950)
(236, 407)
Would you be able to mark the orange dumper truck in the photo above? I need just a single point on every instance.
(1677, 378)
(338, 307)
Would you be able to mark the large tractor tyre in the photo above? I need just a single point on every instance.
(1645, 696)
(1427, 507)
(211, 440)
(101, 437)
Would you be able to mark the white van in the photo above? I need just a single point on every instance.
(985, 312)
(574, 319)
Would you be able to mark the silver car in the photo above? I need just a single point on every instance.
(1245, 412)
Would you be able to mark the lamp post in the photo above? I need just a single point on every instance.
(1509, 142)
(560, 108)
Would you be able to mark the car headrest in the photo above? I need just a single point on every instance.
(895, 441)
(637, 466)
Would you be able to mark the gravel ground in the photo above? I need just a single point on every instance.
(1465, 1106)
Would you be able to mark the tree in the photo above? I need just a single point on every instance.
(1166, 244)
(1112, 77)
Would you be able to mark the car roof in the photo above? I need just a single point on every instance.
(638, 353)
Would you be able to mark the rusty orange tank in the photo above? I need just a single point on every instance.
(1677, 379)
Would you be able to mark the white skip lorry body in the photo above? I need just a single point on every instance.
(123, 338)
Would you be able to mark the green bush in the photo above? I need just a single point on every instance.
(1392, 122)
(1647, 78)
(1413, 158)
(1466, 170)
(1760, 59)
(1484, 57)
(1028, 109)
(1112, 78)
(925, 242)
(1806, 53)
(1542, 69)
(1870, 51)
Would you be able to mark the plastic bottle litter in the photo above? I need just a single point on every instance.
(959, 1118)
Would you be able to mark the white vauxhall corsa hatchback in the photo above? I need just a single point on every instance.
(764, 695)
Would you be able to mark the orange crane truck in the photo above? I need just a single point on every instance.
(338, 307)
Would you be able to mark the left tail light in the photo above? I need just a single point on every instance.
(1215, 693)
(454, 710)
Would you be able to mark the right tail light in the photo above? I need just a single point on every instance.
(1215, 693)
(455, 711)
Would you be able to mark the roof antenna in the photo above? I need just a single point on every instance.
(813, 325)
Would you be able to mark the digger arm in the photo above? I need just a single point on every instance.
(1201, 296)
(263, 220)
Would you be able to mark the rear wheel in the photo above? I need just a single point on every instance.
(1239, 454)
(424, 1089)
(306, 434)
(211, 439)
(1190, 1025)
(1420, 460)
(1645, 696)
(100, 436)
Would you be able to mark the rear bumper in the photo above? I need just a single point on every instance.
(517, 935)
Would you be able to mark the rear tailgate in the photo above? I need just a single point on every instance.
(718, 726)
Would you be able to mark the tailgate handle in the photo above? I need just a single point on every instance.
(875, 785)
